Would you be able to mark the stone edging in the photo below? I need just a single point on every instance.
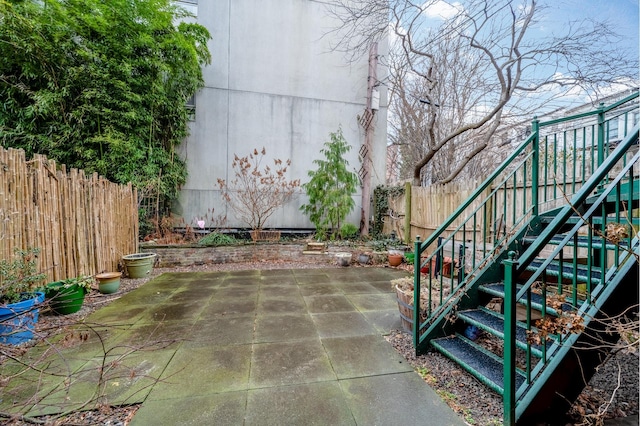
(180, 255)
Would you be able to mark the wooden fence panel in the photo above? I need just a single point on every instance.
(432, 205)
(83, 225)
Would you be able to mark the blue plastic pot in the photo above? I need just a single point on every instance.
(17, 320)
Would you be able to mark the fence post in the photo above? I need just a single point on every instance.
(407, 213)
(509, 358)
(417, 264)
(535, 164)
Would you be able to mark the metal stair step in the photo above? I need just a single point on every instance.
(493, 323)
(482, 364)
(624, 193)
(553, 269)
(497, 290)
(572, 220)
(582, 241)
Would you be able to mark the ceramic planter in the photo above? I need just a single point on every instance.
(108, 282)
(343, 259)
(139, 265)
(17, 320)
(65, 299)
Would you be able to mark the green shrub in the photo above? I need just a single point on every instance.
(348, 231)
(19, 276)
(331, 188)
(217, 239)
(383, 244)
(409, 258)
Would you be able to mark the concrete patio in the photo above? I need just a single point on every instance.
(273, 347)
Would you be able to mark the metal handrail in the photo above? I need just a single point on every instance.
(517, 169)
(591, 291)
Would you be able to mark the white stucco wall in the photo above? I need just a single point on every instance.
(274, 82)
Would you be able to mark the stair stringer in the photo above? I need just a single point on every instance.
(557, 383)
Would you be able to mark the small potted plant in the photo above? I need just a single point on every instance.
(19, 298)
(66, 296)
(395, 256)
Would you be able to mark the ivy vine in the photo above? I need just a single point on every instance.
(381, 196)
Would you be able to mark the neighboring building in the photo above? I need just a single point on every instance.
(275, 82)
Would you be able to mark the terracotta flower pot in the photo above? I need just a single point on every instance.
(395, 259)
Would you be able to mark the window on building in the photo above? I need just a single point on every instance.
(188, 5)
(191, 107)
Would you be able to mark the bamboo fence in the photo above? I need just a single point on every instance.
(82, 225)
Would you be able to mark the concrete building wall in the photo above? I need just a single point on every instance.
(274, 82)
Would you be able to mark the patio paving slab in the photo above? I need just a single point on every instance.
(202, 370)
(319, 289)
(373, 302)
(216, 409)
(328, 303)
(358, 356)
(307, 404)
(287, 327)
(342, 324)
(395, 399)
(293, 304)
(287, 363)
(384, 321)
(222, 330)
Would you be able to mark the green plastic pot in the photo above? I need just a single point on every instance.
(64, 300)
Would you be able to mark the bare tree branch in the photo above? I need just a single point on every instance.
(476, 72)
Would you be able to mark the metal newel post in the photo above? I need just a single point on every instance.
(535, 164)
(417, 264)
(509, 358)
(601, 140)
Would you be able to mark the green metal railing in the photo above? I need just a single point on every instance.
(606, 228)
(542, 173)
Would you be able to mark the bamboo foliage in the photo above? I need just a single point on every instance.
(82, 224)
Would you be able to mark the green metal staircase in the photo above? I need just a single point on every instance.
(542, 253)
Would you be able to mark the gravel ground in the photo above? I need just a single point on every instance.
(469, 398)
(480, 406)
